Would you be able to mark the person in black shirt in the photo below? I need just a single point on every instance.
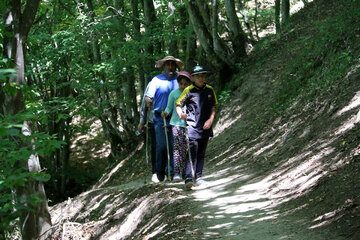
(200, 101)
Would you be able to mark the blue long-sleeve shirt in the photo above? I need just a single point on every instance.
(159, 90)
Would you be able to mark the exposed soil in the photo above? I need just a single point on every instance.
(291, 174)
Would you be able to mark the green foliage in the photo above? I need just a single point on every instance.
(224, 95)
(14, 154)
(315, 67)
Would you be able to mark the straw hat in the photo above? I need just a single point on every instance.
(160, 63)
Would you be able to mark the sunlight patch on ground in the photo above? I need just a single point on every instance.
(221, 226)
(153, 221)
(284, 132)
(130, 223)
(263, 149)
(156, 232)
(328, 218)
(349, 124)
(105, 178)
(355, 102)
(227, 120)
(80, 140)
(291, 179)
(352, 120)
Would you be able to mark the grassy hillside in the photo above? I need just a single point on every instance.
(284, 162)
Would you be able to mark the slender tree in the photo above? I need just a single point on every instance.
(217, 52)
(238, 37)
(285, 11)
(256, 19)
(245, 18)
(277, 16)
(137, 38)
(18, 21)
(152, 48)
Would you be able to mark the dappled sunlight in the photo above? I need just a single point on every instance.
(221, 226)
(228, 119)
(155, 232)
(353, 119)
(349, 124)
(266, 147)
(89, 147)
(107, 176)
(131, 222)
(237, 195)
(284, 131)
(355, 102)
(109, 206)
(328, 218)
(234, 192)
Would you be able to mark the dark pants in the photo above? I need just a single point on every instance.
(152, 147)
(197, 150)
(161, 150)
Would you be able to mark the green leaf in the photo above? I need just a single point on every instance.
(13, 132)
(42, 177)
(2, 131)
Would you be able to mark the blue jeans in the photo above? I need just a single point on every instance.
(161, 150)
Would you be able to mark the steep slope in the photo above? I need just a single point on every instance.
(284, 162)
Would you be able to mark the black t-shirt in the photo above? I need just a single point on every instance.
(199, 103)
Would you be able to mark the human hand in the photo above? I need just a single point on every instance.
(140, 127)
(164, 114)
(207, 124)
(148, 101)
(183, 116)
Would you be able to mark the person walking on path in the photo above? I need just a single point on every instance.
(178, 126)
(200, 101)
(157, 96)
(146, 117)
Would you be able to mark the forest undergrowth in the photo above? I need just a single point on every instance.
(284, 161)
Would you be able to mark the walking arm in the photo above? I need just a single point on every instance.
(181, 114)
(209, 122)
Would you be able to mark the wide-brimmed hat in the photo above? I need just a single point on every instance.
(160, 63)
(198, 70)
(184, 74)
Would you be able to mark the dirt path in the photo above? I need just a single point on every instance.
(237, 204)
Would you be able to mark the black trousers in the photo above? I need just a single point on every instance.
(153, 147)
(197, 150)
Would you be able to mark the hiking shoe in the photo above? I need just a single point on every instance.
(160, 177)
(189, 183)
(200, 181)
(177, 177)
(154, 178)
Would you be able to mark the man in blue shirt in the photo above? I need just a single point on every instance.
(157, 96)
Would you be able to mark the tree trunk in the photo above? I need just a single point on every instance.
(137, 37)
(109, 112)
(190, 49)
(255, 19)
(37, 222)
(216, 54)
(241, 8)
(204, 36)
(277, 16)
(237, 35)
(204, 12)
(151, 49)
(285, 11)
